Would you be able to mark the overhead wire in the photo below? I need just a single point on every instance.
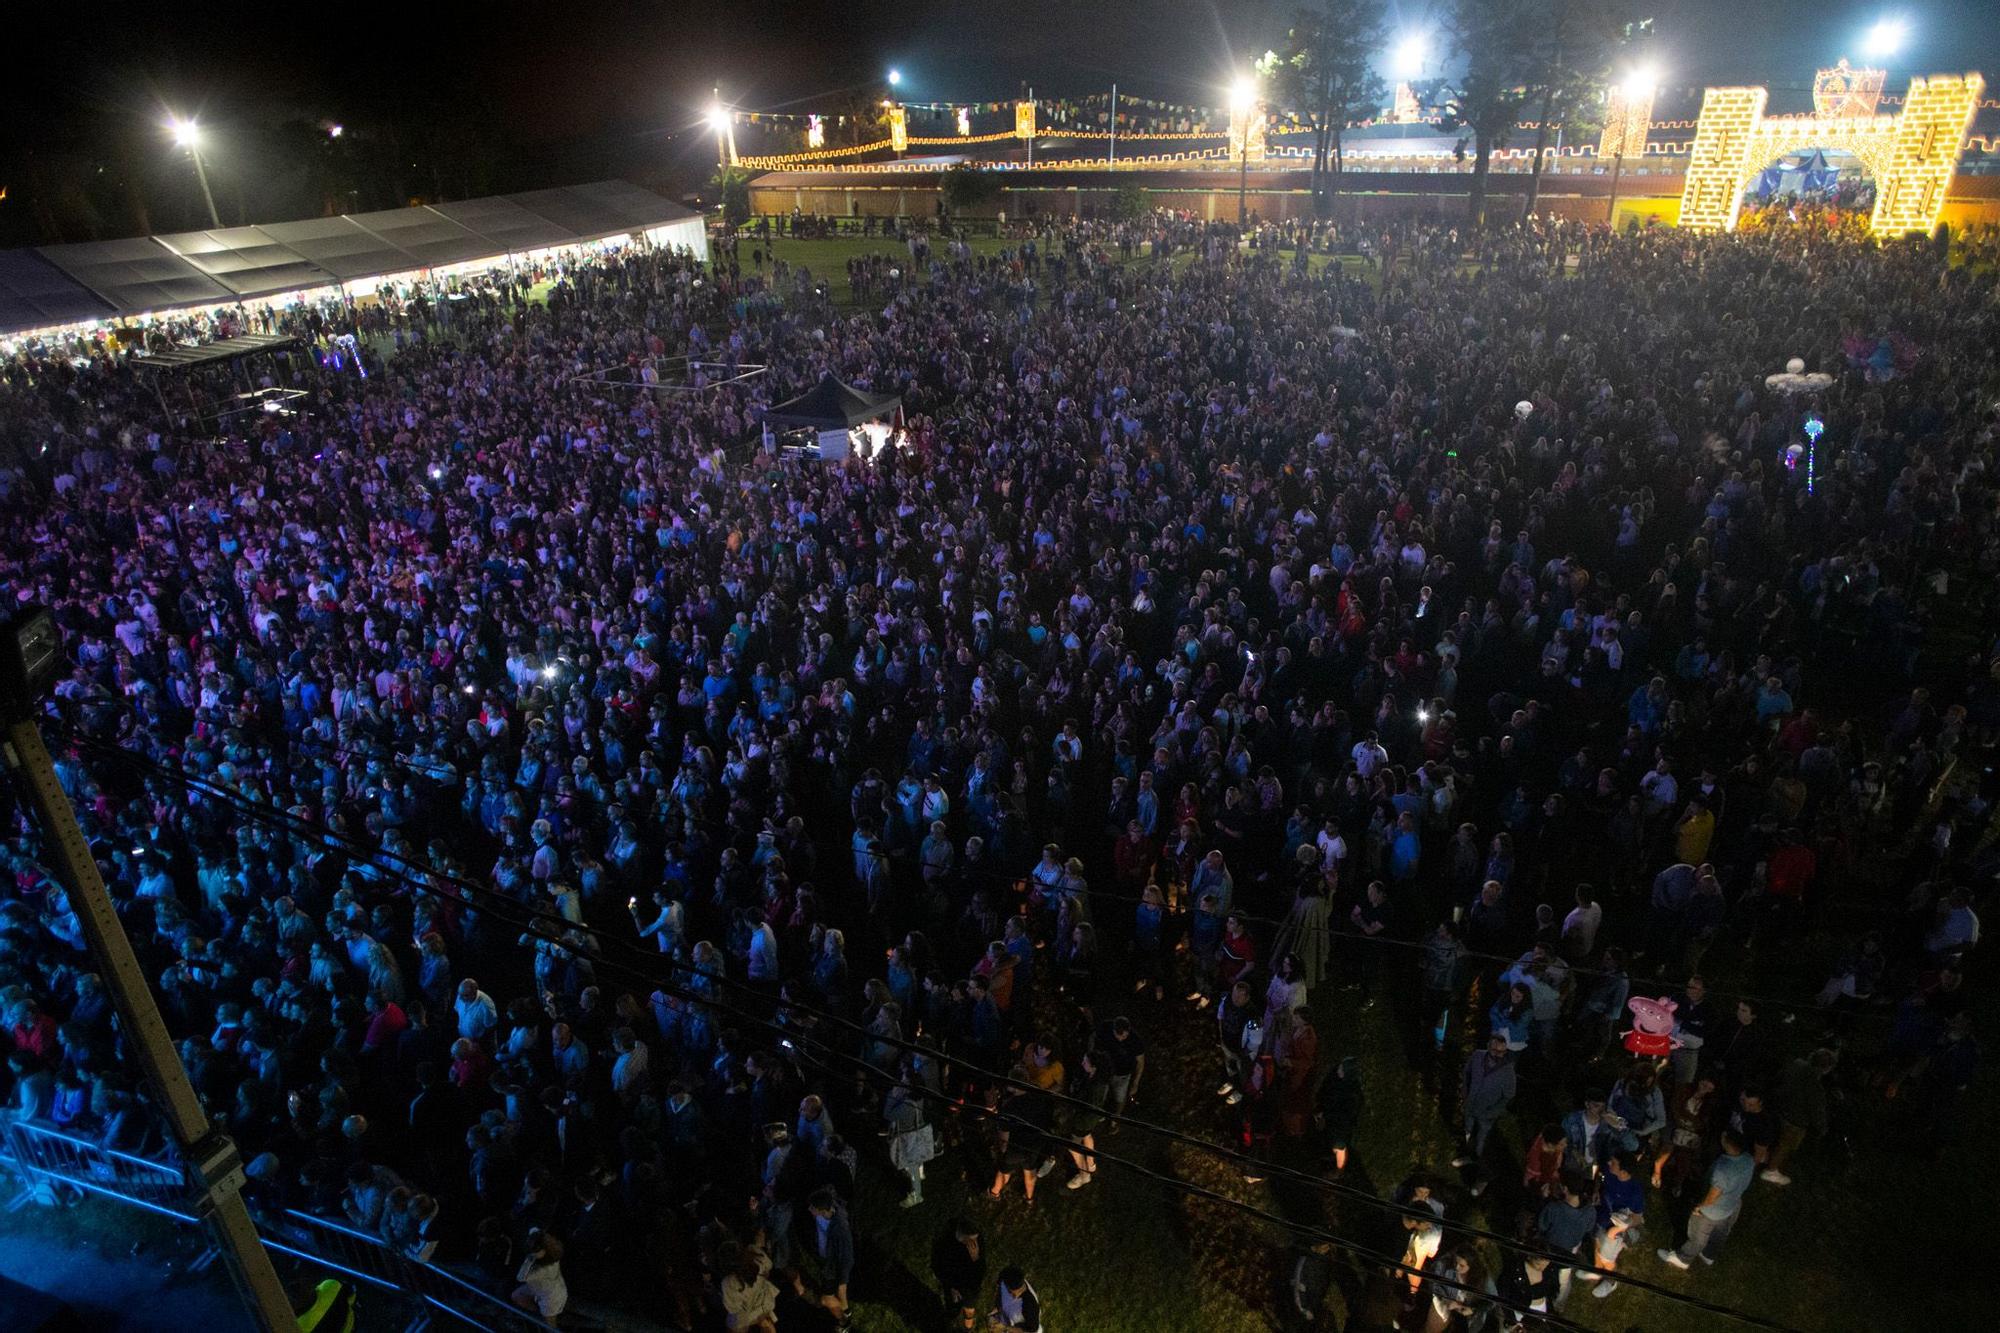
(905, 857)
(791, 1039)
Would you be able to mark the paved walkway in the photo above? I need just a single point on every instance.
(118, 1268)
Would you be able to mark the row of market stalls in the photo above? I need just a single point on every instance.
(61, 287)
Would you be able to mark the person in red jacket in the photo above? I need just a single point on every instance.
(34, 1033)
(1133, 859)
(1237, 953)
(1788, 878)
(386, 1021)
(471, 1066)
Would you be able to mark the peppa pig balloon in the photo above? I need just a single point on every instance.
(1652, 1031)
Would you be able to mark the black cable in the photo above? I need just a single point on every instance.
(562, 924)
(411, 764)
(543, 917)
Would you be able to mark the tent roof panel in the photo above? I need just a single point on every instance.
(426, 236)
(575, 216)
(247, 261)
(35, 294)
(341, 248)
(137, 274)
(641, 206)
(603, 208)
(506, 224)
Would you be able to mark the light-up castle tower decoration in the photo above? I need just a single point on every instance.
(1910, 155)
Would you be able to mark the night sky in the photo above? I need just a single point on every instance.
(542, 93)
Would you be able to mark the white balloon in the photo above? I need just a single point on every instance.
(1524, 409)
(1796, 365)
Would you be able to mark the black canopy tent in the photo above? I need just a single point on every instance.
(195, 355)
(181, 361)
(832, 422)
(832, 405)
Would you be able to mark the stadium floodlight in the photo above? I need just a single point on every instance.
(1886, 38)
(187, 135)
(895, 78)
(1242, 101)
(1406, 62)
(1640, 83)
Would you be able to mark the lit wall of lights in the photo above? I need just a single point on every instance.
(1911, 154)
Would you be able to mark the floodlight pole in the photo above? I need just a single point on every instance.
(201, 174)
(1243, 180)
(209, 1158)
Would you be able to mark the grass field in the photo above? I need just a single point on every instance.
(1859, 1245)
(827, 257)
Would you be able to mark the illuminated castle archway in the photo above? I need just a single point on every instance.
(1911, 155)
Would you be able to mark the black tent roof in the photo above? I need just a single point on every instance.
(208, 354)
(829, 405)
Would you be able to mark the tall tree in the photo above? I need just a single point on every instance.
(1323, 76)
(1569, 62)
(732, 184)
(1495, 40)
(862, 116)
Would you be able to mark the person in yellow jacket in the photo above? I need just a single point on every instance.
(332, 1309)
(1694, 832)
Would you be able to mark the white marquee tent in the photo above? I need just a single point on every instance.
(59, 285)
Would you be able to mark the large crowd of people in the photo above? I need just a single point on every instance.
(579, 846)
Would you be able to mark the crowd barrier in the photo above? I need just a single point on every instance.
(44, 1156)
(366, 1259)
